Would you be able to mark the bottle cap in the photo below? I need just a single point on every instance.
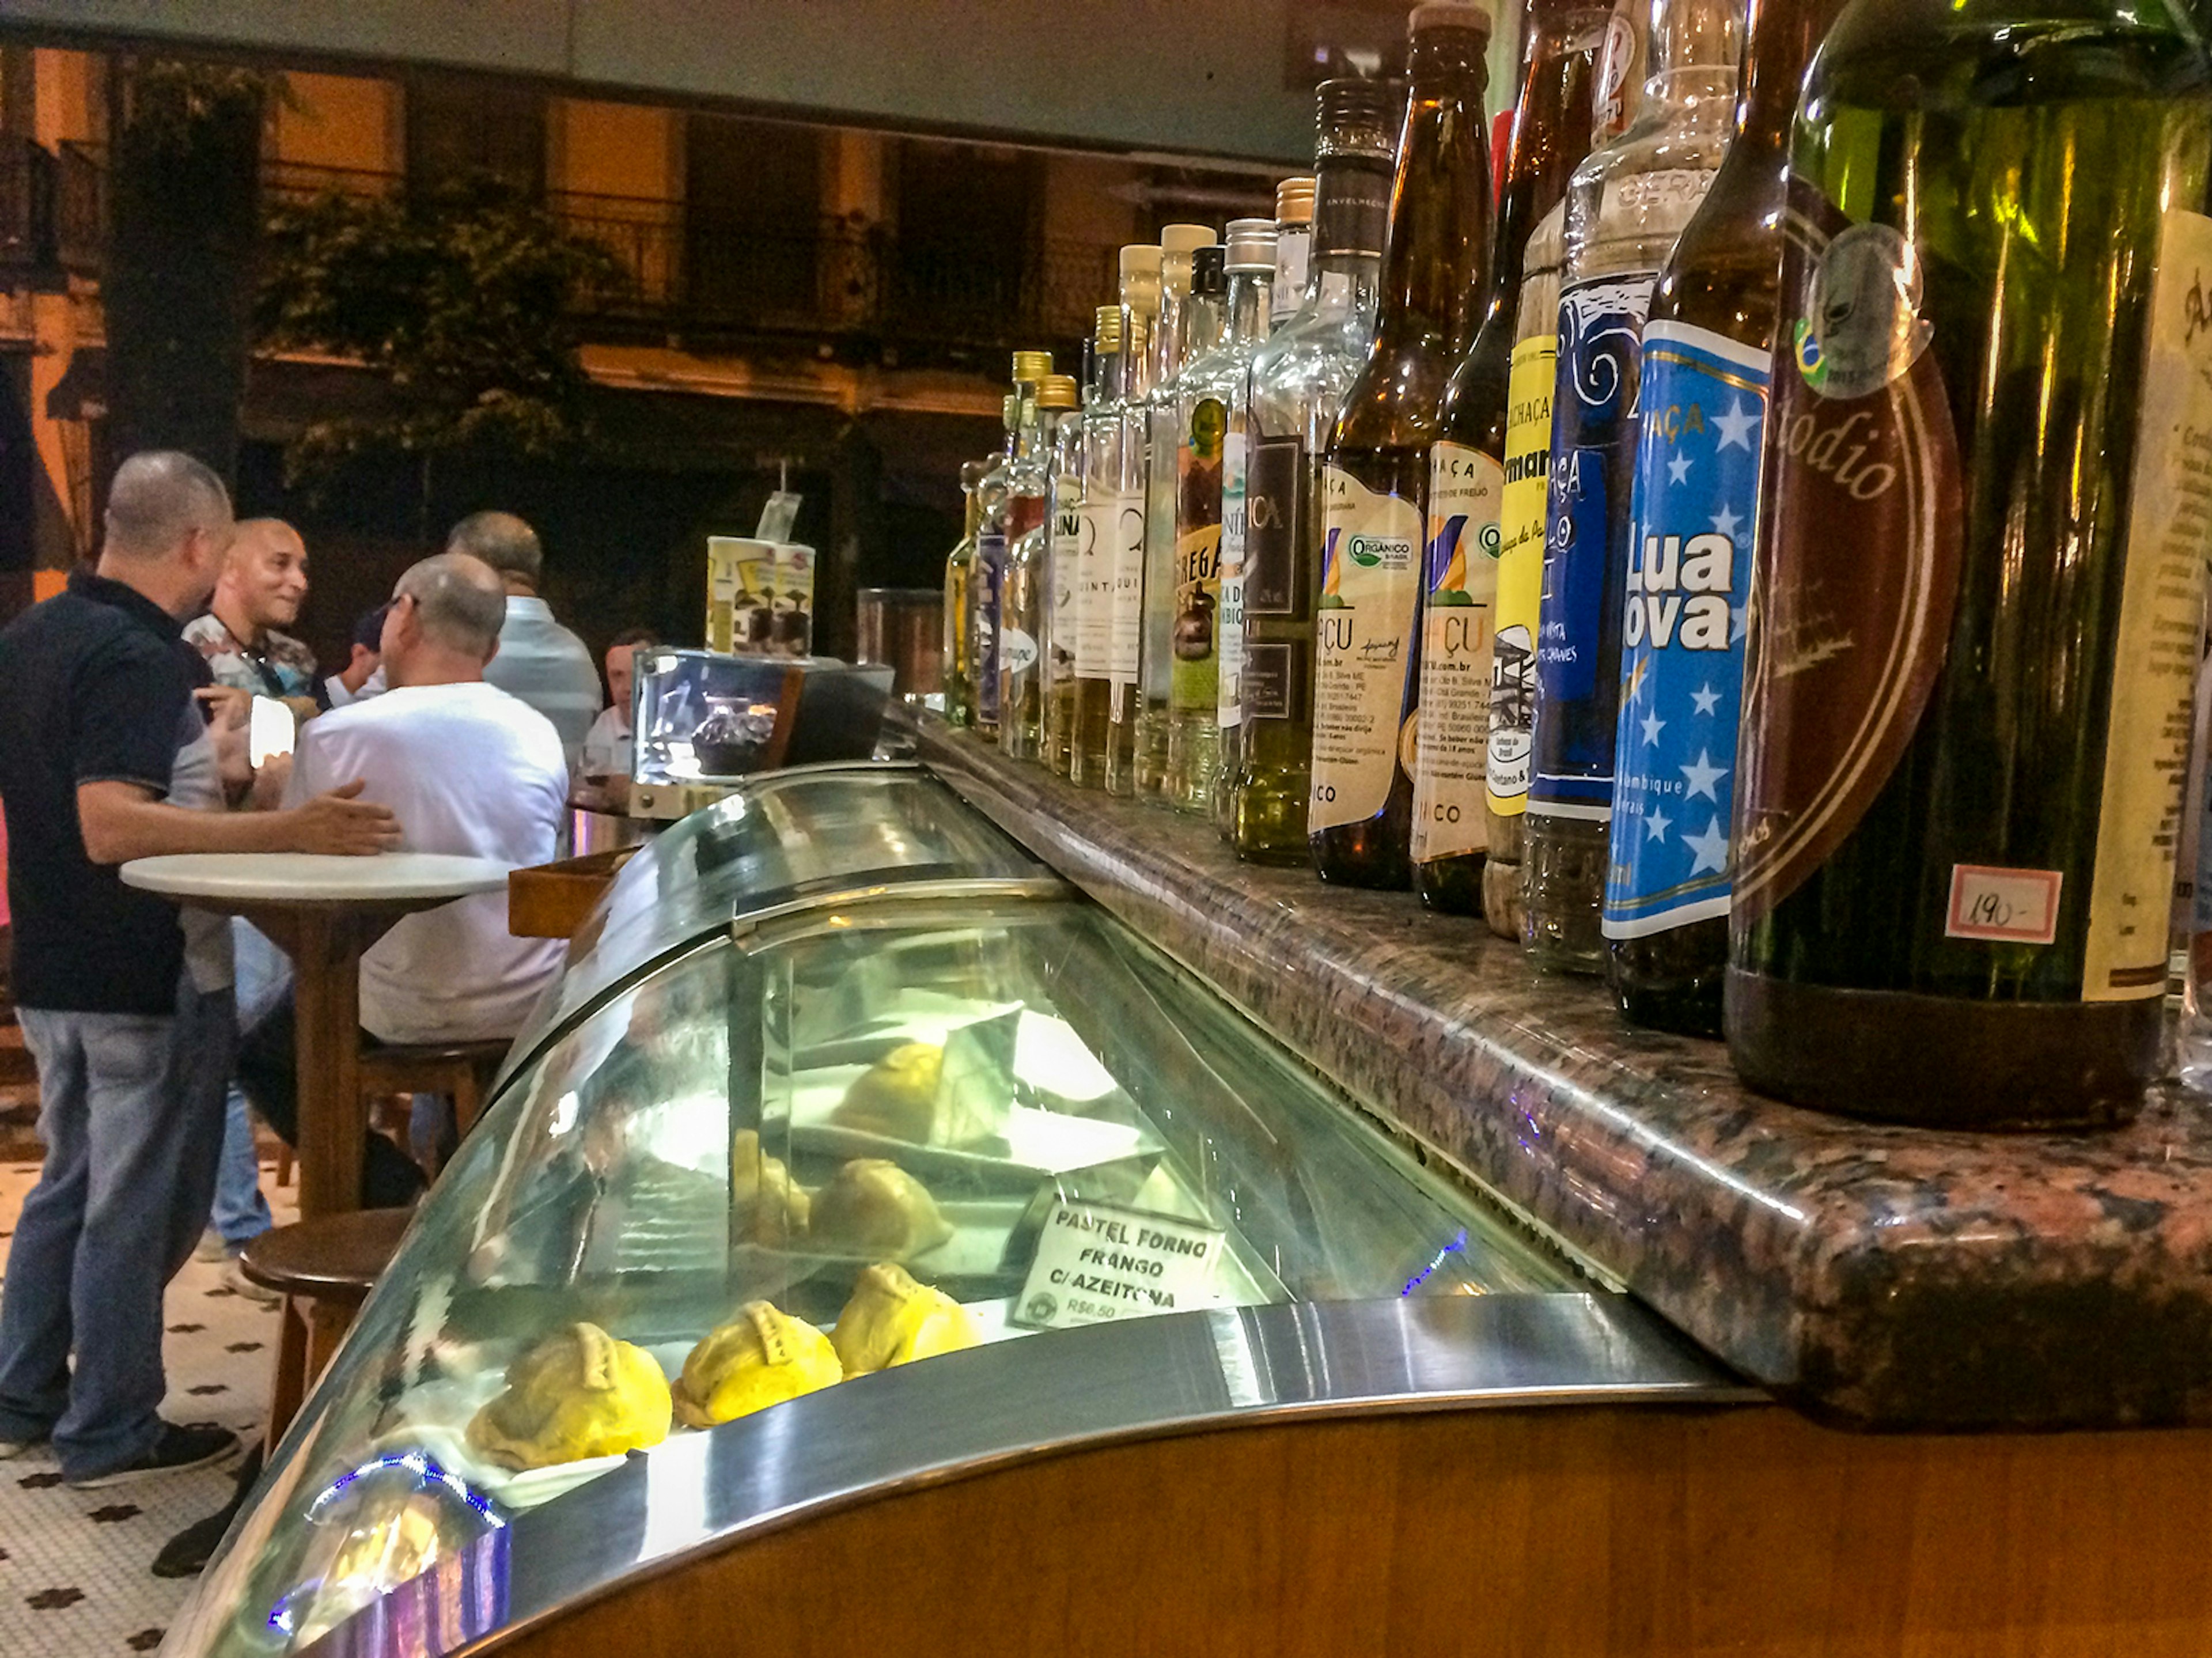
(1056, 391)
(1448, 15)
(1205, 268)
(1138, 258)
(1354, 117)
(1032, 365)
(1184, 238)
(1294, 201)
(1107, 328)
(1251, 244)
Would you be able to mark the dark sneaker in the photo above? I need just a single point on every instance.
(176, 1451)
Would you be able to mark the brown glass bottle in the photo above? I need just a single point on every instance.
(1467, 476)
(1978, 602)
(1375, 474)
(1719, 288)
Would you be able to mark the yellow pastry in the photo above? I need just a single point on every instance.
(760, 1357)
(577, 1393)
(874, 1208)
(896, 1096)
(768, 1207)
(891, 1319)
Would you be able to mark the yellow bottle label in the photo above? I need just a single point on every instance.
(1364, 628)
(1519, 573)
(2161, 622)
(1465, 488)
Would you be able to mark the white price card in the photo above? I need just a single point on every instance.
(1096, 1262)
(2004, 906)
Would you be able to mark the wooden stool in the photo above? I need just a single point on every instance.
(324, 1270)
(460, 1071)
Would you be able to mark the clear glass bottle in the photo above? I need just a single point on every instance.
(1466, 465)
(1984, 469)
(1627, 204)
(980, 616)
(959, 569)
(1299, 378)
(1105, 756)
(1294, 213)
(1025, 633)
(1210, 400)
(1146, 704)
(1374, 478)
(1013, 505)
(1707, 346)
(1081, 567)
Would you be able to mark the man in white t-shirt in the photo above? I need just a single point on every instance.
(468, 769)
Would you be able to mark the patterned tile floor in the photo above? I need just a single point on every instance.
(73, 1564)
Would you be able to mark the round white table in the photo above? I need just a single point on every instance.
(324, 912)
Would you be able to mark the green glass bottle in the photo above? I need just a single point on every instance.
(1977, 596)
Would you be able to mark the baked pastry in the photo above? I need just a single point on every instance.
(577, 1393)
(896, 1096)
(768, 1206)
(891, 1319)
(760, 1357)
(874, 1208)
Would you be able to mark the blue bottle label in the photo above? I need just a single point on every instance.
(1704, 401)
(990, 582)
(1594, 406)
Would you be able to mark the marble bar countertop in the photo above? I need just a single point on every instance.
(1873, 1274)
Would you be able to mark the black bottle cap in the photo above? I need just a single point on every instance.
(1206, 268)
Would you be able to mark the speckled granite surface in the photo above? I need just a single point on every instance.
(1885, 1276)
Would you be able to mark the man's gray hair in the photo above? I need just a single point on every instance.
(159, 496)
(501, 540)
(459, 600)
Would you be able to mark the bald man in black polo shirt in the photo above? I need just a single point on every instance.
(104, 758)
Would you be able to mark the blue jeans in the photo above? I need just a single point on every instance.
(130, 1109)
(241, 1212)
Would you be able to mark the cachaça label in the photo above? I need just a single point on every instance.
(1099, 520)
(1466, 490)
(989, 580)
(1125, 640)
(2161, 611)
(1268, 682)
(1519, 573)
(1229, 633)
(1704, 402)
(1364, 647)
(1194, 682)
(1586, 545)
(1066, 593)
(1845, 649)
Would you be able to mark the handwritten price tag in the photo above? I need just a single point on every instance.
(2005, 906)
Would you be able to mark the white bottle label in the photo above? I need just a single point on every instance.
(1126, 633)
(1363, 638)
(1066, 594)
(1017, 651)
(1228, 630)
(1293, 243)
(1099, 521)
(1466, 490)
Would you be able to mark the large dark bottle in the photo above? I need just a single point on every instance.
(1466, 466)
(1707, 344)
(1979, 581)
(1375, 475)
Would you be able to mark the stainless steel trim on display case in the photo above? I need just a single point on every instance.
(966, 1413)
(985, 889)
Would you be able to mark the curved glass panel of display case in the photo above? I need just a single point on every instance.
(777, 837)
(835, 1139)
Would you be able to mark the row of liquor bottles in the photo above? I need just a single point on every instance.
(1756, 552)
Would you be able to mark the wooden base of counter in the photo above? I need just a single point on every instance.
(1638, 1533)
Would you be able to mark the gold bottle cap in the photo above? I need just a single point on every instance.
(1106, 335)
(1294, 201)
(1057, 392)
(1032, 365)
(1185, 238)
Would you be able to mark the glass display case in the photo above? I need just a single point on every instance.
(775, 839)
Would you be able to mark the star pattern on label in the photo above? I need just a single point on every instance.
(1736, 622)
(1700, 775)
(1726, 522)
(1736, 426)
(1658, 822)
(1677, 469)
(1707, 699)
(1710, 849)
(1653, 724)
